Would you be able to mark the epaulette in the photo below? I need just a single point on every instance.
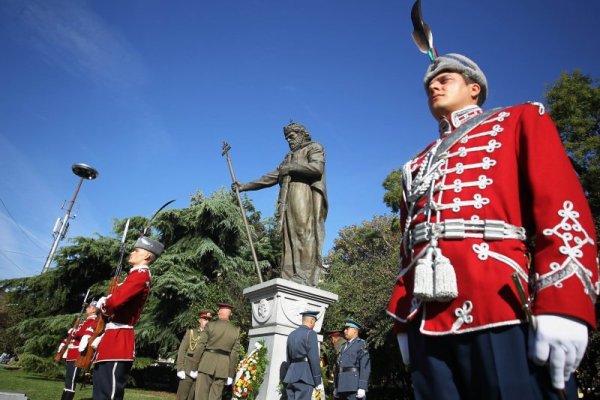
(540, 106)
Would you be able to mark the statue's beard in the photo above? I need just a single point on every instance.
(296, 144)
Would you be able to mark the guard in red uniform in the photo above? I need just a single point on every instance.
(122, 308)
(490, 183)
(78, 343)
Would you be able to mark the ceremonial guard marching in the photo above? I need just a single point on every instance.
(216, 359)
(353, 365)
(116, 350)
(303, 374)
(77, 343)
(185, 356)
(492, 182)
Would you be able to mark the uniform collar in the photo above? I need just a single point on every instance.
(138, 268)
(457, 118)
(91, 317)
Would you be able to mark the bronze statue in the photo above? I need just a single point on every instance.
(302, 204)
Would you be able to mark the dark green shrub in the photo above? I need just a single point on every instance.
(40, 365)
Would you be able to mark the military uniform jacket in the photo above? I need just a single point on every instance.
(218, 349)
(187, 350)
(123, 308)
(470, 210)
(353, 367)
(84, 329)
(303, 357)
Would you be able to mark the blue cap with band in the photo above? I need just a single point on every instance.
(352, 324)
(310, 313)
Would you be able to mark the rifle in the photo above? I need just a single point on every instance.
(59, 354)
(85, 359)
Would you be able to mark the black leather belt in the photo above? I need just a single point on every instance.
(348, 369)
(297, 360)
(218, 351)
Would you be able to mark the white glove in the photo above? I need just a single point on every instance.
(100, 303)
(181, 374)
(83, 343)
(229, 381)
(96, 342)
(334, 392)
(320, 387)
(193, 374)
(360, 393)
(560, 341)
(60, 347)
(403, 344)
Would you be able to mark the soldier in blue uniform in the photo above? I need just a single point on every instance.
(353, 365)
(303, 375)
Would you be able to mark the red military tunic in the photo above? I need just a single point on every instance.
(123, 307)
(84, 329)
(506, 180)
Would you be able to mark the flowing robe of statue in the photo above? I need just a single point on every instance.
(302, 209)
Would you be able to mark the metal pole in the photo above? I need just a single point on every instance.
(84, 172)
(226, 148)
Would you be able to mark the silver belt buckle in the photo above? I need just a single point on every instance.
(493, 229)
(454, 229)
(421, 233)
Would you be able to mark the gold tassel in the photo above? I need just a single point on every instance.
(444, 286)
(423, 282)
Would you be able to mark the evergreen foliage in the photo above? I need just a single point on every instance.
(40, 365)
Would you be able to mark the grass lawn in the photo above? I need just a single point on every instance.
(37, 387)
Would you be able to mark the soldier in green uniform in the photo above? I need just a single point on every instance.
(216, 359)
(185, 356)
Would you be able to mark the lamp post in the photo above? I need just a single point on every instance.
(83, 171)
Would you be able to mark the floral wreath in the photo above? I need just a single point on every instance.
(251, 372)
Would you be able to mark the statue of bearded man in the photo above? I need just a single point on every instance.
(302, 205)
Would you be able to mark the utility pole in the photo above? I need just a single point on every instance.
(83, 171)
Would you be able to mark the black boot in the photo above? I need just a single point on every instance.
(67, 395)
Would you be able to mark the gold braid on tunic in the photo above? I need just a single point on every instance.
(193, 342)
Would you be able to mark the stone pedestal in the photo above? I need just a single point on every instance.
(276, 307)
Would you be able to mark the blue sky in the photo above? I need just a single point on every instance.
(146, 91)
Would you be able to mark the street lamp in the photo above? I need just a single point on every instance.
(83, 171)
